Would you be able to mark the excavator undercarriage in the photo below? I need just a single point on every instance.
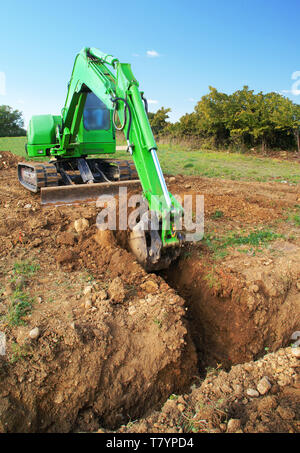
(67, 181)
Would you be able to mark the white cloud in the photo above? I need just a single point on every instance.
(152, 101)
(296, 85)
(292, 92)
(152, 53)
(295, 91)
(191, 99)
(295, 88)
(295, 75)
(135, 55)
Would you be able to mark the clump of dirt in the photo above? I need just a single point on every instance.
(8, 160)
(261, 396)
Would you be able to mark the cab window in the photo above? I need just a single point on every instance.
(96, 115)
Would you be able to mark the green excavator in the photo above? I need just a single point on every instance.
(103, 96)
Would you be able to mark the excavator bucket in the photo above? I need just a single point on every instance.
(83, 193)
(146, 244)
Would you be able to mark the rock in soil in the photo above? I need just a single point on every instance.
(116, 290)
(34, 333)
(81, 225)
(233, 425)
(264, 385)
(252, 393)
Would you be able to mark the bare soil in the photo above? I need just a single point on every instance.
(114, 342)
(221, 403)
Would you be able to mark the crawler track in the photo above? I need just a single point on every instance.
(37, 175)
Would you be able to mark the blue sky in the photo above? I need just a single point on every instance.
(192, 44)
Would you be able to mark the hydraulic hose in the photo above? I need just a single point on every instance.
(127, 107)
(146, 103)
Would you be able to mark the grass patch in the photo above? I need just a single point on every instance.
(293, 215)
(86, 277)
(25, 268)
(22, 271)
(296, 219)
(173, 397)
(18, 352)
(158, 322)
(190, 165)
(20, 307)
(255, 239)
(222, 164)
(212, 280)
(217, 215)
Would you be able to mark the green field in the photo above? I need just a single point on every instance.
(15, 145)
(218, 164)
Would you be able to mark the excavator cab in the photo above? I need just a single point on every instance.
(96, 116)
(96, 132)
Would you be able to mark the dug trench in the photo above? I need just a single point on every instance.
(93, 341)
(237, 313)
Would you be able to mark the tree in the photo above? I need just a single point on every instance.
(11, 122)
(287, 120)
(242, 118)
(158, 120)
(211, 112)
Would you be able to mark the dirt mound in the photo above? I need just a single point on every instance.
(262, 396)
(8, 160)
(112, 340)
(109, 356)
